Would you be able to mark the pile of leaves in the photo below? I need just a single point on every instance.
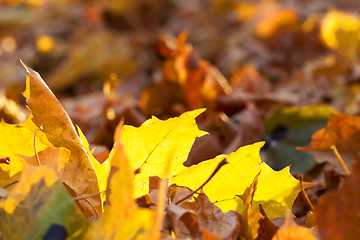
(141, 164)
(216, 119)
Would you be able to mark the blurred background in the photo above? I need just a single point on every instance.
(265, 70)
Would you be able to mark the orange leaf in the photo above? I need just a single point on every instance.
(341, 131)
(291, 231)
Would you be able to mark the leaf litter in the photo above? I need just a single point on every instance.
(263, 70)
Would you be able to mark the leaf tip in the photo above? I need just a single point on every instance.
(195, 113)
(29, 70)
(25, 66)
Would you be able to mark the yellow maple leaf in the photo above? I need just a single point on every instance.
(276, 191)
(149, 146)
(14, 140)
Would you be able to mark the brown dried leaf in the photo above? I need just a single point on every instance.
(184, 223)
(267, 228)
(224, 225)
(50, 116)
(337, 214)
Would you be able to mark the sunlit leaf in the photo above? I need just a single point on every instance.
(18, 139)
(122, 219)
(148, 146)
(276, 191)
(49, 115)
(339, 30)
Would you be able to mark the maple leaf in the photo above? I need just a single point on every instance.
(51, 118)
(149, 146)
(341, 131)
(14, 140)
(122, 219)
(37, 201)
(276, 191)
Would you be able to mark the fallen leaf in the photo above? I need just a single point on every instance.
(341, 131)
(184, 222)
(276, 190)
(267, 228)
(178, 192)
(54, 158)
(250, 220)
(224, 225)
(248, 79)
(49, 115)
(337, 213)
(38, 200)
(22, 142)
(122, 219)
(148, 146)
(290, 231)
(339, 30)
(186, 78)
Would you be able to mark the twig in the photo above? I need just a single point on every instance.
(222, 163)
(305, 194)
(336, 152)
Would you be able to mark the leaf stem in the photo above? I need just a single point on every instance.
(35, 150)
(305, 194)
(9, 184)
(336, 152)
(222, 163)
(81, 197)
(5, 160)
